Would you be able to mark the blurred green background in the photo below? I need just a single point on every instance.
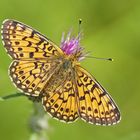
(111, 29)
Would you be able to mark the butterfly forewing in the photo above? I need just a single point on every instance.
(95, 104)
(22, 42)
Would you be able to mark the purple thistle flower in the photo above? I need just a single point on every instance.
(71, 46)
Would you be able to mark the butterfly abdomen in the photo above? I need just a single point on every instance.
(59, 76)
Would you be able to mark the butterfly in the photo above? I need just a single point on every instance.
(42, 69)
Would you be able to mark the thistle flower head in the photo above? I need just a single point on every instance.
(71, 45)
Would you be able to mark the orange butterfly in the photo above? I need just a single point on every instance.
(41, 69)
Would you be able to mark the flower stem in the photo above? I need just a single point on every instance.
(38, 123)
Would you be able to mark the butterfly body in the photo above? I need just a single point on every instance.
(60, 74)
(42, 69)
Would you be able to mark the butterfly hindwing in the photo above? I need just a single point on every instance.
(62, 103)
(31, 76)
(23, 42)
(95, 104)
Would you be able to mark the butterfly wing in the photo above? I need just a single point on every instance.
(62, 103)
(35, 56)
(31, 76)
(95, 105)
(23, 42)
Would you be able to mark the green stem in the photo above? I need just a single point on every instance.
(11, 96)
(38, 123)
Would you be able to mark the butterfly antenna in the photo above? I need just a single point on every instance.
(79, 29)
(109, 59)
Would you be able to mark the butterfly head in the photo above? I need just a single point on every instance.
(71, 46)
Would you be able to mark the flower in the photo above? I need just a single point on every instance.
(71, 46)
